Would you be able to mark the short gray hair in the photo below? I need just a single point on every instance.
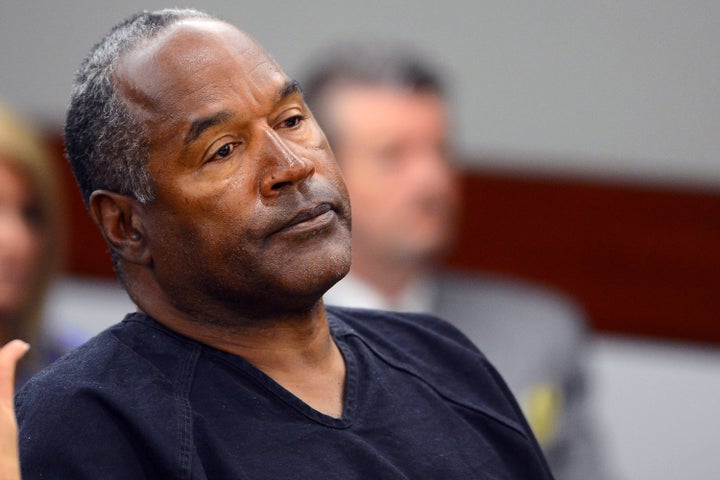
(107, 144)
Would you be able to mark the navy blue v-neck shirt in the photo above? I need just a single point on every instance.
(140, 401)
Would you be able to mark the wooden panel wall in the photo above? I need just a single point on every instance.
(642, 260)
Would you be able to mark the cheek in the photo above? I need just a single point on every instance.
(447, 182)
(33, 249)
(20, 259)
(369, 186)
(377, 210)
(20, 243)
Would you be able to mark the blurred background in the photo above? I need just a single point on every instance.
(588, 134)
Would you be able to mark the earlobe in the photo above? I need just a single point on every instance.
(119, 218)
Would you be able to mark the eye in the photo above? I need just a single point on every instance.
(32, 214)
(225, 151)
(293, 121)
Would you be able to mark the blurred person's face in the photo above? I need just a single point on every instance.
(392, 148)
(20, 241)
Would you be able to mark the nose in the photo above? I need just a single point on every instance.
(284, 168)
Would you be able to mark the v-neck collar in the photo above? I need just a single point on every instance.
(338, 331)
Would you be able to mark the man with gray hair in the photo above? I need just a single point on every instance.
(228, 219)
(384, 111)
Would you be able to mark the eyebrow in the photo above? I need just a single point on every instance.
(290, 87)
(197, 127)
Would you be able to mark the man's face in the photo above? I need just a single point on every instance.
(251, 213)
(392, 147)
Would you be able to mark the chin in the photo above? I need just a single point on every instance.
(308, 275)
(336, 275)
(307, 297)
(328, 269)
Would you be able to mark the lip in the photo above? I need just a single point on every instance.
(310, 219)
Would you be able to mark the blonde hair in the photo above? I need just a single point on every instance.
(21, 148)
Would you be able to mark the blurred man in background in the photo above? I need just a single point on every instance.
(384, 113)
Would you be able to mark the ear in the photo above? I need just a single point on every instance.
(119, 218)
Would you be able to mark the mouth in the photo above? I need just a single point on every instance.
(310, 220)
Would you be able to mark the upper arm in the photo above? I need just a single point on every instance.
(76, 439)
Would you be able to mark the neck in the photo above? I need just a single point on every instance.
(295, 348)
(389, 277)
(280, 342)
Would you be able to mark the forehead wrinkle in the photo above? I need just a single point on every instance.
(259, 64)
(167, 56)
